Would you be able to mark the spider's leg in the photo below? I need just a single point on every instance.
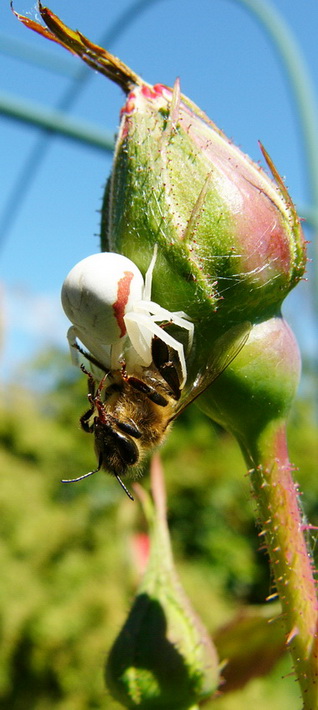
(148, 276)
(76, 350)
(158, 313)
(141, 330)
(73, 345)
(117, 353)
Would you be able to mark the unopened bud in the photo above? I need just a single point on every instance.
(259, 387)
(229, 237)
(163, 656)
(230, 244)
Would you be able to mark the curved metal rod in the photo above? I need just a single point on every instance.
(38, 151)
(291, 59)
(295, 67)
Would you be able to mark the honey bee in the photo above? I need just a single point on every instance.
(131, 409)
(131, 415)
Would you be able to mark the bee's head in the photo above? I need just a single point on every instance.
(116, 451)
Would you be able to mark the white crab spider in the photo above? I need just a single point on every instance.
(110, 306)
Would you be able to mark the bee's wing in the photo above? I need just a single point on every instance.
(225, 350)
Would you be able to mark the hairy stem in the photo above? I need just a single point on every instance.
(283, 527)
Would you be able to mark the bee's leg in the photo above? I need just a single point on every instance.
(93, 391)
(84, 421)
(91, 382)
(95, 400)
(76, 349)
(128, 427)
(167, 362)
(149, 391)
(92, 359)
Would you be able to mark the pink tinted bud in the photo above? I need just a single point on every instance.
(229, 239)
(217, 217)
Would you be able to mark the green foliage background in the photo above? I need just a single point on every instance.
(68, 566)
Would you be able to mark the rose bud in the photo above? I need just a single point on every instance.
(257, 391)
(230, 244)
(163, 657)
(229, 239)
(229, 247)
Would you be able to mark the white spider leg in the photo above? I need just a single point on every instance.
(149, 273)
(141, 329)
(182, 314)
(117, 353)
(81, 353)
(181, 323)
(139, 336)
(72, 341)
(179, 318)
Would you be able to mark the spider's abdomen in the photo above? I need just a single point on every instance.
(96, 295)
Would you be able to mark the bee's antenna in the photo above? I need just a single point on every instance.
(80, 478)
(85, 475)
(124, 487)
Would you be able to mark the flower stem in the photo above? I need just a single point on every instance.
(283, 527)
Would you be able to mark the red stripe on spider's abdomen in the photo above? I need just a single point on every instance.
(123, 291)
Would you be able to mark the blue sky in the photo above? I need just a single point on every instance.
(226, 64)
